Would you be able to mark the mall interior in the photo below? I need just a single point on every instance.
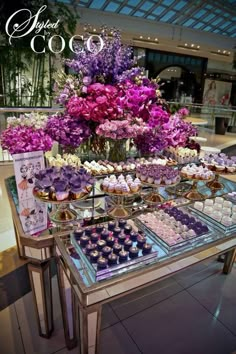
(176, 296)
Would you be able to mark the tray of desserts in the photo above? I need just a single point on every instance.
(155, 176)
(220, 163)
(105, 167)
(65, 184)
(176, 228)
(196, 173)
(219, 211)
(121, 185)
(112, 248)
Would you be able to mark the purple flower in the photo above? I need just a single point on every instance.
(67, 130)
(25, 139)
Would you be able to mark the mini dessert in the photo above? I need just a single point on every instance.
(101, 244)
(133, 252)
(90, 247)
(154, 174)
(102, 263)
(84, 240)
(219, 162)
(141, 240)
(78, 233)
(116, 231)
(133, 236)
(94, 255)
(123, 256)
(146, 248)
(99, 228)
(106, 251)
(121, 238)
(122, 223)
(110, 241)
(104, 234)
(197, 172)
(121, 184)
(127, 229)
(111, 225)
(182, 154)
(94, 237)
(117, 248)
(88, 231)
(63, 160)
(63, 183)
(127, 244)
(112, 259)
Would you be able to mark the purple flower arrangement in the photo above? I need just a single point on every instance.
(112, 99)
(107, 65)
(25, 139)
(67, 131)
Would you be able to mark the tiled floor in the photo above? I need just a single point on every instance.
(191, 313)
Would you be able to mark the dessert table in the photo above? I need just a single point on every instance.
(77, 287)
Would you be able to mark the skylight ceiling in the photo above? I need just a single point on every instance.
(216, 16)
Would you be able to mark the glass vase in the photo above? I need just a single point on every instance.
(117, 150)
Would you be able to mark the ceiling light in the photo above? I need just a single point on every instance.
(192, 45)
(224, 51)
(140, 37)
(94, 30)
(156, 39)
(198, 46)
(229, 53)
(149, 38)
(218, 51)
(186, 44)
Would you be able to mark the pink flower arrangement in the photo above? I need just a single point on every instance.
(99, 104)
(25, 139)
(122, 129)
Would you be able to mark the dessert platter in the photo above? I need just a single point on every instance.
(62, 186)
(221, 164)
(121, 187)
(176, 227)
(220, 211)
(182, 155)
(105, 167)
(114, 247)
(157, 176)
(196, 174)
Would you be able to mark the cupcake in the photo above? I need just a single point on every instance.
(133, 252)
(102, 263)
(106, 251)
(101, 244)
(117, 248)
(127, 244)
(123, 256)
(112, 259)
(61, 189)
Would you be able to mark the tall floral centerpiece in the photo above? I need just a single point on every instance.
(109, 100)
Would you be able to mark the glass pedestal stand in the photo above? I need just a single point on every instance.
(119, 211)
(215, 184)
(154, 197)
(193, 193)
(62, 213)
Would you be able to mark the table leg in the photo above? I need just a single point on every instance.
(229, 261)
(68, 307)
(89, 328)
(40, 279)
